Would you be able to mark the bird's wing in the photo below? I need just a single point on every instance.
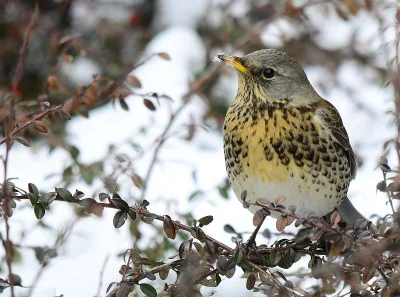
(328, 114)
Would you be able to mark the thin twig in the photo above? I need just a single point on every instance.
(30, 122)
(57, 244)
(9, 124)
(103, 268)
(161, 139)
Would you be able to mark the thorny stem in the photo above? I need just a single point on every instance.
(9, 124)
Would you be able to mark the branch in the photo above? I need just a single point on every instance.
(8, 132)
(101, 276)
(30, 122)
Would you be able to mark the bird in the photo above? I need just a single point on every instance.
(282, 139)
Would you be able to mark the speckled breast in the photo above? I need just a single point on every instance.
(273, 152)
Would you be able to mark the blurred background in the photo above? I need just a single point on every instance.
(148, 102)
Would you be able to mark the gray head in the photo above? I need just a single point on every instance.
(272, 75)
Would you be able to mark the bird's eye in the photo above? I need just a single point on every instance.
(268, 73)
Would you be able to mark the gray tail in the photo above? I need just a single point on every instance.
(350, 214)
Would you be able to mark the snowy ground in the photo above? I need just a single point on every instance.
(76, 271)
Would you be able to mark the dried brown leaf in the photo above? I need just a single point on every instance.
(291, 10)
(263, 201)
(342, 13)
(191, 131)
(149, 104)
(41, 127)
(67, 58)
(258, 217)
(94, 88)
(368, 4)
(64, 113)
(22, 141)
(169, 227)
(290, 220)
(164, 56)
(398, 15)
(123, 104)
(280, 200)
(251, 281)
(281, 223)
(133, 81)
(52, 82)
(352, 6)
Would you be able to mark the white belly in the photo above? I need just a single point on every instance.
(305, 195)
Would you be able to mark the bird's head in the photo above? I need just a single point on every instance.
(272, 76)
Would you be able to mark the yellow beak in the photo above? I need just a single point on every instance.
(234, 62)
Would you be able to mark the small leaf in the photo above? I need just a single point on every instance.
(133, 81)
(65, 113)
(22, 141)
(223, 191)
(279, 200)
(251, 281)
(169, 227)
(274, 258)
(210, 247)
(119, 203)
(148, 218)
(288, 258)
(47, 198)
(64, 194)
(149, 104)
(39, 210)
(281, 223)
(137, 180)
(78, 195)
(148, 290)
(205, 221)
(119, 218)
(351, 5)
(263, 201)
(292, 208)
(164, 56)
(132, 214)
(41, 127)
(52, 82)
(258, 217)
(229, 229)
(92, 206)
(33, 198)
(243, 195)
(123, 104)
(302, 235)
(198, 247)
(149, 275)
(103, 196)
(163, 274)
(74, 152)
(238, 256)
(33, 189)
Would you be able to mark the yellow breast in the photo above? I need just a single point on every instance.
(263, 147)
